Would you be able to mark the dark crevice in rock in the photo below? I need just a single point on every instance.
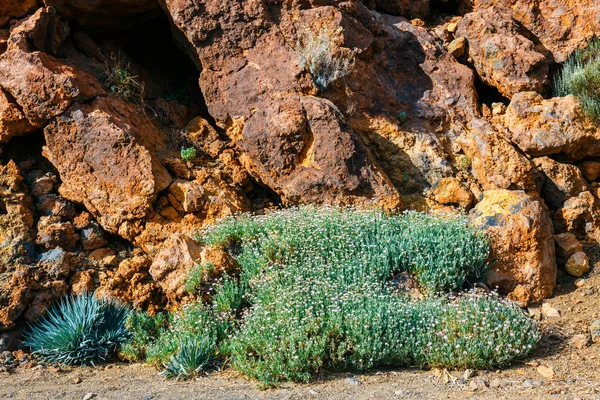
(165, 69)
(262, 196)
(489, 94)
(446, 7)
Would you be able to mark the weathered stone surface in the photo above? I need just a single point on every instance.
(562, 181)
(132, 283)
(16, 218)
(449, 191)
(566, 245)
(457, 47)
(105, 14)
(522, 243)
(170, 268)
(12, 120)
(502, 55)
(57, 263)
(103, 152)
(92, 237)
(578, 264)
(494, 162)
(40, 84)
(82, 282)
(580, 215)
(542, 127)
(15, 8)
(43, 30)
(52, 233)
(560, 25)
(52, 204)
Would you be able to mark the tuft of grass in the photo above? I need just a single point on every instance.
(580, 77)
(193, 355)
(188, 154)
(119, 79)
(80, 330)
(320, 54)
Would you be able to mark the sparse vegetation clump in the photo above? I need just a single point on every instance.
(188, 154)
(580, 77)
(79, 330)
(119, 79)
(320, 54)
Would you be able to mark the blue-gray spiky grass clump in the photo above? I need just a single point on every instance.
(580, 77)
(79, 330)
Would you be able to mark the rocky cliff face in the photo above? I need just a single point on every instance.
(447, 111)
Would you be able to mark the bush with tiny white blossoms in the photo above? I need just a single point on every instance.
(316, 291)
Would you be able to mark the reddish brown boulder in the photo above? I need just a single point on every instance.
(53, 233)
(12, 120)
(52, 204)
(82, 282)
(15, 8)
(579, 215)
(251, 81)
(522, 244)
(566, 245)
(104, 153)
(170, 268)
(132, 283)
(495, 163)
(563, 181)
(558, 126)
(502, 55)
(561, 26)
(40, 84)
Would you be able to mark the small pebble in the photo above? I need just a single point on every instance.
(468, 374)
(353, 381)
(89, 396)
(77, 380)
(478, 384)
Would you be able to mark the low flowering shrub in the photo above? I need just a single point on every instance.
(316, 290)
(80, 330)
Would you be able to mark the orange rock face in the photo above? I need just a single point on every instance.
(101, 151)
(560, 25)
(522, 243)
(555, 126)
(502, 56)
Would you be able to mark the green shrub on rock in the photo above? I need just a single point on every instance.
(580, 77)
(79, 330)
